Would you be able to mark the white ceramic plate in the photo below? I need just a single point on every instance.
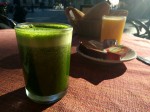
(131, 54)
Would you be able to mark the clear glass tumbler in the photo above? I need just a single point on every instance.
(45, 50)
(112, 28)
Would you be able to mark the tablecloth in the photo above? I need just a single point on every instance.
(93, 87)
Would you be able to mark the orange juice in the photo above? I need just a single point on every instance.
(112, 27)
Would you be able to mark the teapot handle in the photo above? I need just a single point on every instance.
(74, 14)
(69, 13)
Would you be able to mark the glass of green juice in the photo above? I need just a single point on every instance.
(45, 50)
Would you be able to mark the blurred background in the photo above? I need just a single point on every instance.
(53, 10)
(136, 8)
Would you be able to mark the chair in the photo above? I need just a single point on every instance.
(6, 22)
(142, 28)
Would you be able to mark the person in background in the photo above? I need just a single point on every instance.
(32, 7)
(19, 13)
(64, 3)
(42, 6)
(5, 21)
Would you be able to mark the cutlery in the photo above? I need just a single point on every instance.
(144, 60)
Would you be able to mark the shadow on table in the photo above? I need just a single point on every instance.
(17, 101)
(94, 72)
(11, 62)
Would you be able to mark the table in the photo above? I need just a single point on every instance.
(93, 87)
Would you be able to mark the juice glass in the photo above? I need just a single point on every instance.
(45, 56)
(112, 28)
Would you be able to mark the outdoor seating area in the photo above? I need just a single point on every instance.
(142, 27)
(139, 16)
(74, 56)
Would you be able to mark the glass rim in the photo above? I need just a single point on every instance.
(114, 16)
(48, 25)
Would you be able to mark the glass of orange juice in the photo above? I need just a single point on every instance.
(112, 28)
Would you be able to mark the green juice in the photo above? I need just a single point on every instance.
(45, 54)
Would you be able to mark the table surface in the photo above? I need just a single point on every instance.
(93, 87)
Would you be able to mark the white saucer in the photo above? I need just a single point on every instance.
(131, 54)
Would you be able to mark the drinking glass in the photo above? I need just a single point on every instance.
(45, 56)
(112, 28)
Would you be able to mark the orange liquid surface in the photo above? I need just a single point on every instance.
(112, 28)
